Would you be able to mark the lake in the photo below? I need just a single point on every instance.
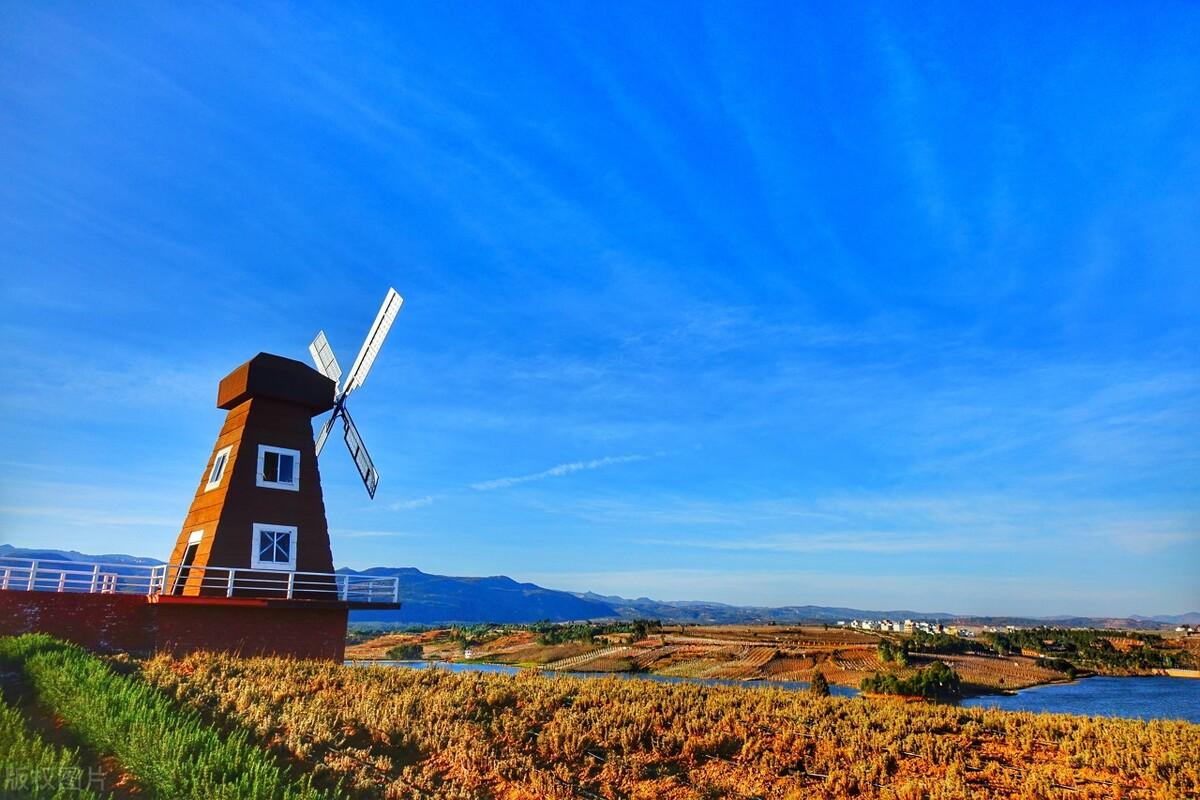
(1134, 698)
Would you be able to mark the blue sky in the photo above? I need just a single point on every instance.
(880, 306)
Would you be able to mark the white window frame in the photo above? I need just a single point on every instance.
(263, 449)
(194, 537)
(221, 460)
(256, 563)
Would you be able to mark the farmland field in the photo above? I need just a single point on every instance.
(219, 726)
(391, 733)
(772, 653)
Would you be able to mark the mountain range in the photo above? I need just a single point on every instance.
(438, 599)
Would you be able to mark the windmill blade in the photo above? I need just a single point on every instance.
(325, 429)
(323, 357)
(358, 451)
(379, 331)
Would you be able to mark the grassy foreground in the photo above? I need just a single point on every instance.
(34, 769)
(400, 733)
(163, 750)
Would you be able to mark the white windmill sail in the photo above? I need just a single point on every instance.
(327, 364)
(323, 357)
(362, 460)
(374, 341)
(325, 429)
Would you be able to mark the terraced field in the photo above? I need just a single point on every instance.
(996, 672)
(790, 668)
(576, 662)
(773, 653)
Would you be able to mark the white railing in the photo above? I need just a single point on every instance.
(37, 575)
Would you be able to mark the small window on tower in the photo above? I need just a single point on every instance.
(218, 468)
(278, 467)
(274, 547)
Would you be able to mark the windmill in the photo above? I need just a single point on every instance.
(327, 364)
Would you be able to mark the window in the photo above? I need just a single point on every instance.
(218, 468)
(278, 467)
(274, 547)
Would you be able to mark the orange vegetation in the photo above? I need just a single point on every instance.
(398, 733)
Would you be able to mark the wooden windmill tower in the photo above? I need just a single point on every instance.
(257, 526)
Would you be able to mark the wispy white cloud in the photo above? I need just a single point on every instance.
(894, 523)
(418, 502)
(356, 534)
(556, 471)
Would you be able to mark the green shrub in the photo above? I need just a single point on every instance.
(937, 682)
(35, 769)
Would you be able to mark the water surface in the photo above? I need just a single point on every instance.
(1134, 698)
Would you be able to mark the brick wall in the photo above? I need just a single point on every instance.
(253, 631)
(112, 622)
(102, 622)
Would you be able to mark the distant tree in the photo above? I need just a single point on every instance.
(882, 683)
(819, 685)
(406, 652)
(1002, 644)
(937, 682)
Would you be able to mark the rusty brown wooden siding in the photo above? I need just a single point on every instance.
(227, 514)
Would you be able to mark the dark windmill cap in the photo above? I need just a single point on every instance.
(276, 378)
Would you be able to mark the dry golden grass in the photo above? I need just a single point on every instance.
(399, 733)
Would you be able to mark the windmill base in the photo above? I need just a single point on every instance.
(143, 626)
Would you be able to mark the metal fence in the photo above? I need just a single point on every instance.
(39, 575)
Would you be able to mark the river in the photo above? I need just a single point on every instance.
(1134, 698)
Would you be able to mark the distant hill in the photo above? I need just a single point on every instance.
(441, 598)
(437, 599)
(701, 612)
(1190, 618)
(74, 555)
